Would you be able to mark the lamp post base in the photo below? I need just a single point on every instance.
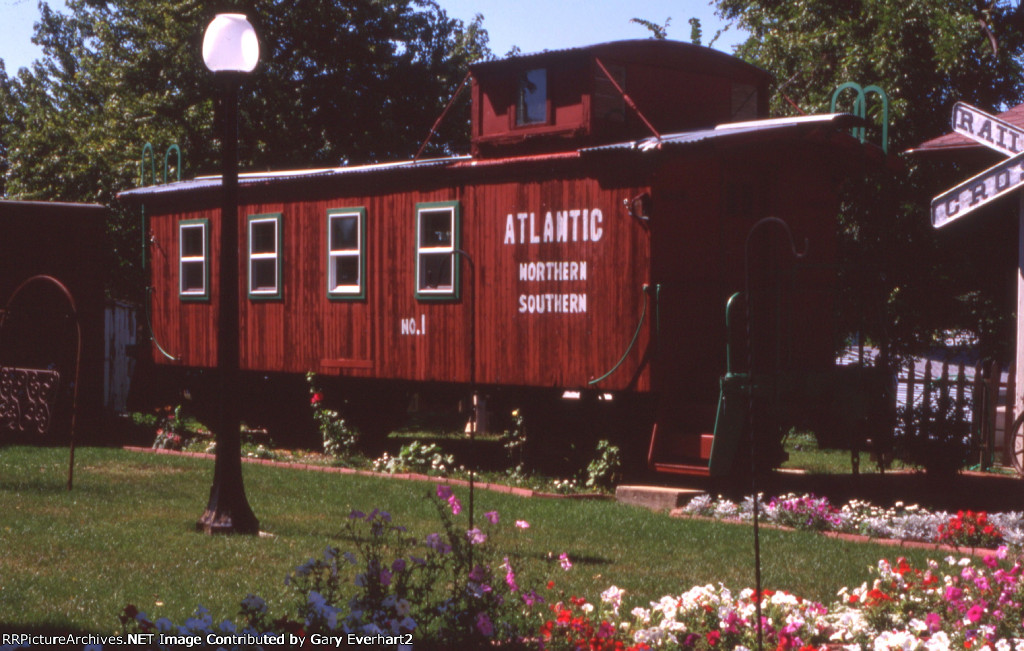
(226, 516)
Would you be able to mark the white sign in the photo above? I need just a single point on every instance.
(987, 129)
(978, 191)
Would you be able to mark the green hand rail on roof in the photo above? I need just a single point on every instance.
(860, 108)
(177, 168)
(147, 149)
(147, 152)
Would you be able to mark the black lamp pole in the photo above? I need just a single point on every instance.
(228, 510)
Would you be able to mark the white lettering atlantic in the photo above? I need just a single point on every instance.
(577, 225)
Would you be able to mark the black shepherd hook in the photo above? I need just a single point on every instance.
(78, 348)
(767, 221)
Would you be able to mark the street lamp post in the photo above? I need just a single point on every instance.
(230, 49)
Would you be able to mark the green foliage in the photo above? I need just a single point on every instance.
(426, 458)
(934, 434)
(338, 81)
(606, 467)
(903, 283)
(339, 439)
(658, 32)
(514, 442)
(170, 431)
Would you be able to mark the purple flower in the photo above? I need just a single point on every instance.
(435, 542)
(476, 537)
(530, 598)
(444, 492)
(492, 517)
(484, 625)
(398, 565)
(455, 504)
(478, 574)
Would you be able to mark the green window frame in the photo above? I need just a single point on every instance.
(194, 259)
(346, 253)
(438, 227)
(264, 248)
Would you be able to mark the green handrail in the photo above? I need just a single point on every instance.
(860, 108)
(177, 168)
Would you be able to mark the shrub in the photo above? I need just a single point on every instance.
(339, 440)
(426, 458)
(606, 468)
(934, 434)
(171, 433)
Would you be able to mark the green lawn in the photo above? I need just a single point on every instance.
(70, 561)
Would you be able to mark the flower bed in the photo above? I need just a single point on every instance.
(448, 589)
(968, 529)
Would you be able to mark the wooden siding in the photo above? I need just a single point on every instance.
(304, 330)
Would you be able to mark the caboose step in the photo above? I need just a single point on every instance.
(693, 470)
(656, 498)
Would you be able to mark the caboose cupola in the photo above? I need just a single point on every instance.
(567, 99)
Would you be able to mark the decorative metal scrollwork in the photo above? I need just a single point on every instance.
(27, 396)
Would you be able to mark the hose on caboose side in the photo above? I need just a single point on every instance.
(148, 300)
(645, 288)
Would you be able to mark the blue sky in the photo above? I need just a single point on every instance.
(533, 25)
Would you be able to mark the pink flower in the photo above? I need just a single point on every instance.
(522, 524)
(975, 613)
(510, 576)
(933, 621)
(445, 493)
(476, 537)
(484, 625)
(492, 517)
(566, 564)
(316, 399)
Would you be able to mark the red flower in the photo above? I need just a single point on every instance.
(713, 637)
(316, 399)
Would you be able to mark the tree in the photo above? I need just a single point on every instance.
(926, 54)
(339, 81)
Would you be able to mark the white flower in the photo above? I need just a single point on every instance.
(642, 615)
(939, 641)
(613, 596)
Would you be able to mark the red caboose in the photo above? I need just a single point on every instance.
(589, 243)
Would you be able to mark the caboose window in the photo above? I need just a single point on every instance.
(346, 241)
(532, 100)
(265, 256)
(437, 234)
(193, 255)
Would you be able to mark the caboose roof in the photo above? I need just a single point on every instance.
(731, 133)
(664, 53)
